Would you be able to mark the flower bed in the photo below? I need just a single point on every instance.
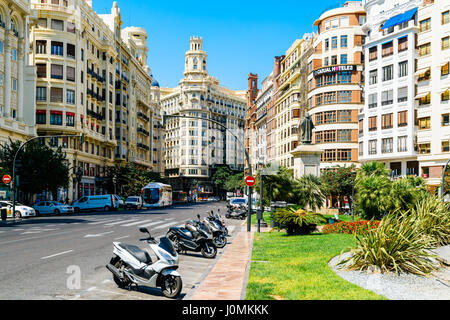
(351, 227)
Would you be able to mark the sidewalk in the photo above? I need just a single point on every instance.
(228, 278)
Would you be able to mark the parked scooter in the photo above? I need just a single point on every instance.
(193, 238)
(239, 212)
(217, 231)
(131, 265)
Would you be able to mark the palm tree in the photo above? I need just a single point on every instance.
(309, 192)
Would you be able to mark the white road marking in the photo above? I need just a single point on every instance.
(97, 235)
(135, 223)
(18, 230)
(106, 281)
(55, 255)
(104, 221)
(165, 225)
(2, 231)
(91, 288)
(151, 224)
(119, 222)
(122, 238)
(168, 219)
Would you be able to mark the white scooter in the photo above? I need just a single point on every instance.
(131, 265)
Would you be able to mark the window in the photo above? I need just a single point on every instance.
(344, 116)
(14, 84)
(387, 49)
(344, 135)
(445, 96)
(41, 47)
(372, 147)
(334, 23)
(403, 94)
(70, 74)
(361, 125)
(387, 97)
(56, 118)
(425, 49)
(373, 103)
(333, 60)
(344, 21)
(446, 120)
(424, 148)
(344, 41)
(70, 119)
(424, 123)
(57, 25)
(403, 69)
(344, 96)
(70, 51)
(343, 59)
(41, 70)
(386, 121)
(388, 72)
(425, 25)
(373, 75)
(446, 146)
(402, 145)
(41, 93)
(387, 145)
(327, 44)
(57, 48)
(445, 43)
(445, 69)
(425, 100)
(42, 23)
(334, 42)
(41, 117)
(445, 17)
(14, 54)
(373, 53)
(403, 44)
(57, 71)
(56, 95)
(373, 126)
(70, 97)
(403, 119)
(361, 148)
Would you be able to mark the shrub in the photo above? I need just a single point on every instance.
(357, 227)
(295, 220)
(432, 216)
(397, 245)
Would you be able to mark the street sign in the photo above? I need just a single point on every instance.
(250, 181)
(6, 179)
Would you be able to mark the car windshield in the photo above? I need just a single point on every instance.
(132, 199)
(237, 201)
(166, 245)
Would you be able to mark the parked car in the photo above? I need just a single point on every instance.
(21, 210)
(105, 203)
(52, 207)
(134, 202)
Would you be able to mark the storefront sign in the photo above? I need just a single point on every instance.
(334, 69)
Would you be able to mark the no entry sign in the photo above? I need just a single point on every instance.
(250, 181)
(6, 179)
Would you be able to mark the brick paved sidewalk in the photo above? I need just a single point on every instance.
(228, 278)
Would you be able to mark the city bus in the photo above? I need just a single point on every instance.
(179, 197)
(157, 195)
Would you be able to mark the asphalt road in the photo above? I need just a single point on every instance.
(65, 257)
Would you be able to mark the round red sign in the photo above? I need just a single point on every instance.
(7, 179)
(250, 181)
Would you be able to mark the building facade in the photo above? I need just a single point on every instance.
(17, 76)
(433, 86)
(335, 83)
(92, 78)
(193, 147)
(388, 127)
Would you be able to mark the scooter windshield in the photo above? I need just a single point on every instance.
(166, 245)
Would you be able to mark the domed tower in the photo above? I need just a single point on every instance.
(195, 64)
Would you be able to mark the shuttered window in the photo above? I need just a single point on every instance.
(57, 71)
(56, 95)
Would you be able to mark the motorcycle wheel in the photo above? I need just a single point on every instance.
(220, 242)
(120, 283)
(209, 250)
(174, 239)
(227, 216)
(243, 217)
(171, 286)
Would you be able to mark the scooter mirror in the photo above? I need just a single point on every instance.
(198, 216)
(144, 230)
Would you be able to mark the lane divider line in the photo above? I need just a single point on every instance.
(57, 254)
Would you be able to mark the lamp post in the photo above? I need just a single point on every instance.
(79, 175)
(114, 180)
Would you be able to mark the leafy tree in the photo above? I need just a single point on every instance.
(308, 191)
(234, 182)
(296, 220)
(339, 182)
(42, 167)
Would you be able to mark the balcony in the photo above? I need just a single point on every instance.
(95, 115)
(143, 146)
(143, 116)
(143, 131)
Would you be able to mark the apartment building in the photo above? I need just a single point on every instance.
(192, 146)
(17, 76)
(250, 119)
(387, 124)
(291, 102)
(92, 78)
(335, 83)
(433, 90)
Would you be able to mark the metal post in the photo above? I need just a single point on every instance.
(261, 206)
(443, 179)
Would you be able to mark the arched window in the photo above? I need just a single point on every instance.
(195, 63)
(13, 25)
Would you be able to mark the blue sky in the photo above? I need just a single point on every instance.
(239, 36)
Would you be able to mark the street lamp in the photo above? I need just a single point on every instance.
(79, 175)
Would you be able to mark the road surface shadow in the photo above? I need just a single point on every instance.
(152, 291)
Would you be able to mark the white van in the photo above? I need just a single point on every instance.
(105, 203)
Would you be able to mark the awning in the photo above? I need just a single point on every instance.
(422, 71)
(398, 19)
(444, 90)
(422, 95)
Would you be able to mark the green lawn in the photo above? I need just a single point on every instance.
(296, 268)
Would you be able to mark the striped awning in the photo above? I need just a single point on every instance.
(422, 71)
(422, 95)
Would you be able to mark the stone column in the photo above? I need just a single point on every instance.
(7, 79)
(20, 79)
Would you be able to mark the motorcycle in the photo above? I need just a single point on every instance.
(237, 212)
(131, 265)
(192, 238)
(217, 231)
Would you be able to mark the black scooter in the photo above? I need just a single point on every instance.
(192, 238)
(239, 212)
